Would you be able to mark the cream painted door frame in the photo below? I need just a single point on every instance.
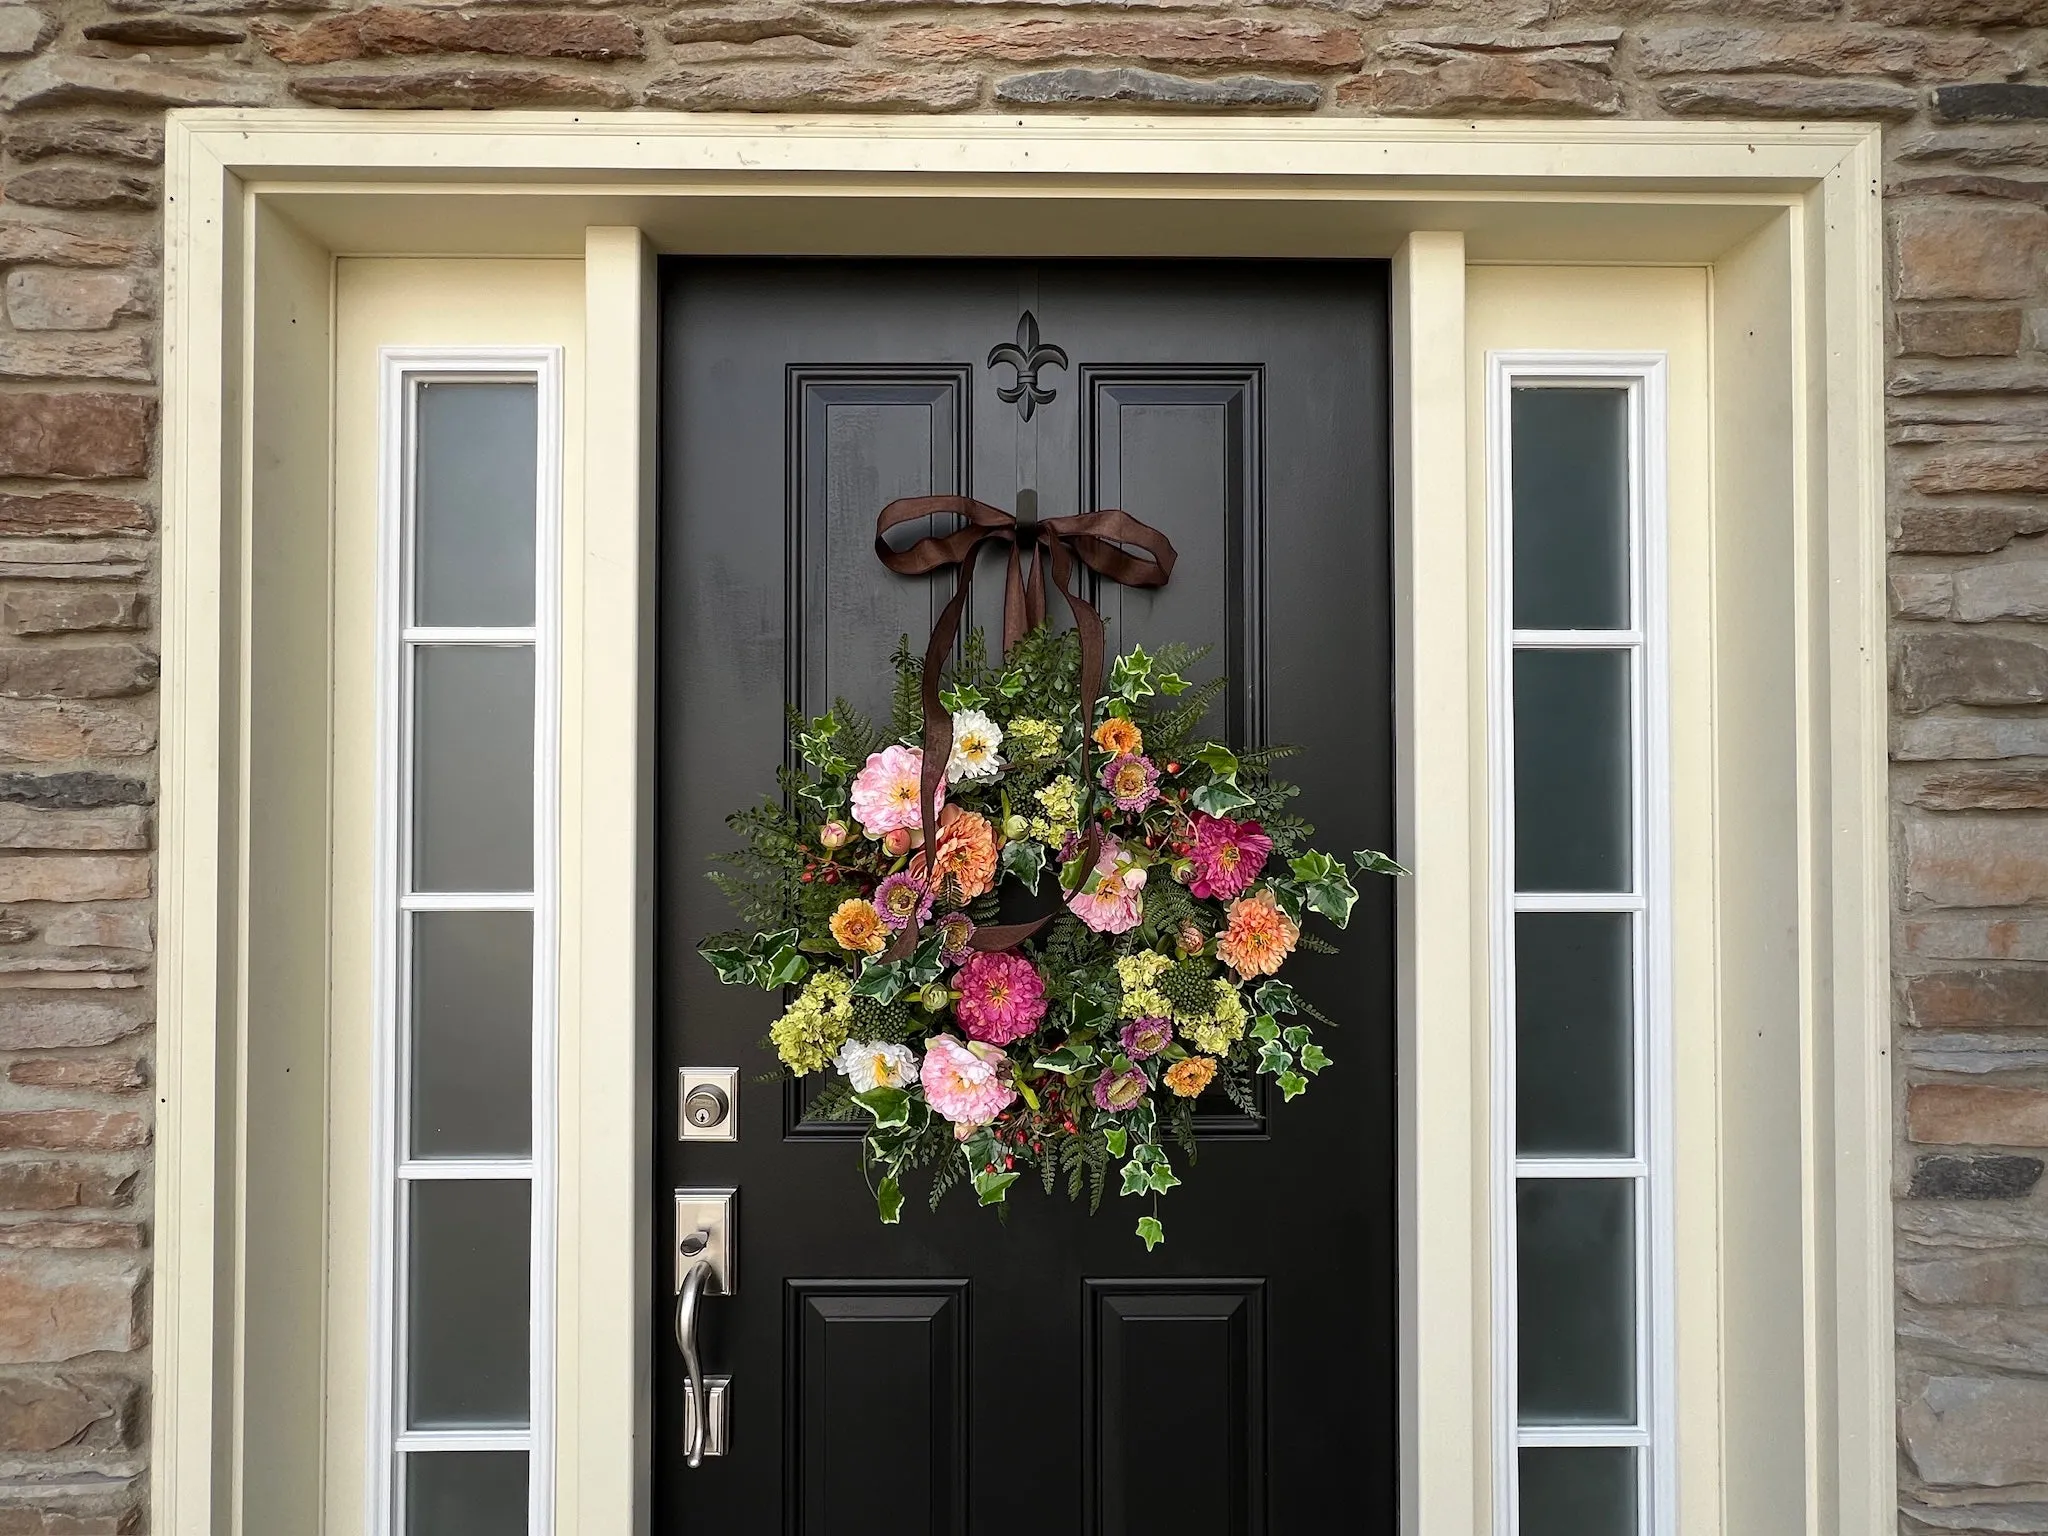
(1783, 220)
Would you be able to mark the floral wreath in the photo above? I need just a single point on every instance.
(875, 886)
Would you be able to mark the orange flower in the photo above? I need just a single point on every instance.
(859, 927)
(966, 855)
(1259, 937)
(1189, 1076)
(1118, 736)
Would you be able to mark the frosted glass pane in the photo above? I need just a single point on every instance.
(1572, 771)
(467, 1344)
(1570, 484)
(1578, 1490)
(473, 520)
(465, 1493)
(1576, 1291)
(472, 810)
(472, 1034)
(1574, 1046)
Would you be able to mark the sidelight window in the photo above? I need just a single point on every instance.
(1581, 1220)
(465, 1245)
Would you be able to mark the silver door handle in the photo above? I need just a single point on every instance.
(704, 1267)
(699, 1412)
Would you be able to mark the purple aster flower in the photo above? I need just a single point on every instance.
(1118, 1091)
(1145, 1038)
(956, 935)
(1132, 781)
(901, 897)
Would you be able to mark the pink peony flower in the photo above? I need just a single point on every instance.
(1118, 900)
(885, 791)
(1002, 998)
(966, 1083)
(1227, 855)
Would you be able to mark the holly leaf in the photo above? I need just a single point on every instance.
(889, 1106)
(1025, 861)
(889, 1200)
(993, 1188)
(1292, 1086)
(1372, 863)
(1118, 1140)
(962, 696)
(1151, 1231)
(1313, 1058)
(1220, 798)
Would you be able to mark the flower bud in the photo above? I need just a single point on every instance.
(1015, 827)
(935, 998)
(1190, 939)
(897, 843)
(1182, 870)
(833, 835)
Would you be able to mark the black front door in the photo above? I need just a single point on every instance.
(958, 1373)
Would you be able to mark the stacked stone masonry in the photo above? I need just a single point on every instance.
(1961, 86)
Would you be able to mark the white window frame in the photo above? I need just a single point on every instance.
(1643, 375)
(401, 370)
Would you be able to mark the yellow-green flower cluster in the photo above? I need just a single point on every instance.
(811, 1032)
(1222, 1027)
(1061, 802)
(1031, 740)
(1139, 975)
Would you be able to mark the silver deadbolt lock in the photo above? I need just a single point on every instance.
(706, 1106)
(710, 1104)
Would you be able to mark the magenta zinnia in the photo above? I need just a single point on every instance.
(1227, 856)
(1002, 997)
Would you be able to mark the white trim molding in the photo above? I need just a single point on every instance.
(1782, 220)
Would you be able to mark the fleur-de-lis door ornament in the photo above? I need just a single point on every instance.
(1027, 354)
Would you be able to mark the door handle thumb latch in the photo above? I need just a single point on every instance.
(704, 1267)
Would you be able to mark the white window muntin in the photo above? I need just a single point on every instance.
(1645, 900)
(397, 1171)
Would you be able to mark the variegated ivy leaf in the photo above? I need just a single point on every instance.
(1064, 1060)
(993, 1188)
(889, 1106)
(1265, 1027)
(1274, 1059)
(1131, 676)
(1151, 1231)
(1220, 798)
(1372, 863)
(1025, 861)
(1296, 1036)
(1218, 759)
(1325, 886)
(889, 1200)
(1117, 1139)
(962, 696)
(1292, 1086)
(882, 980)
(1171, 683)
(1313, 1058)
(1277, 997)
(734, 965)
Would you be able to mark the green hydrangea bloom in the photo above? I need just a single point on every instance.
(1031, 739)
(1223, 1027)
(1061, 802)
(817, 1023)
(1138, 975)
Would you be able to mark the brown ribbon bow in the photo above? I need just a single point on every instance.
(1093, 539)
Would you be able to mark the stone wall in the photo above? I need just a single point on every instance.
(1962, 86)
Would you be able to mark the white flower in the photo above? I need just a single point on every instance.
(975, 739)
(872, 1064)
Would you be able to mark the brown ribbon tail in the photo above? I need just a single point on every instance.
(1001, 936)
